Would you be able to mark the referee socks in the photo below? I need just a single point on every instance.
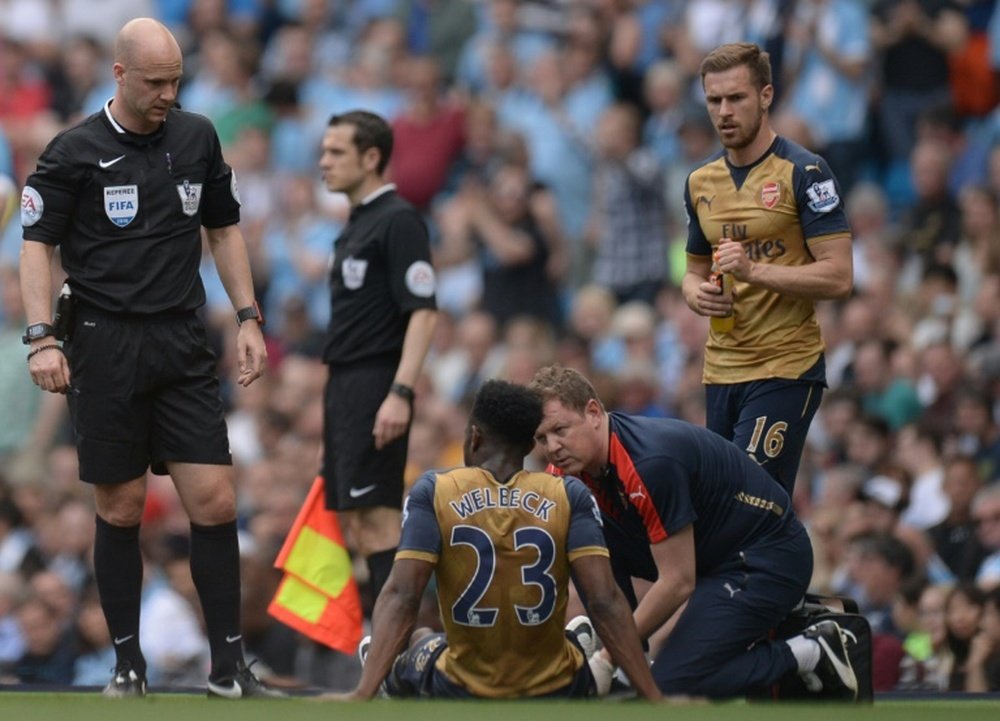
(118, 572)
(215, 569)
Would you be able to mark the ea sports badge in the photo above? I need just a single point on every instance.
(32, 206)
(420, 279)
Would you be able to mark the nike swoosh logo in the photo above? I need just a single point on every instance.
(231, 691)
(123, 639)
(108, 163)
(358, 492)
(233, 639)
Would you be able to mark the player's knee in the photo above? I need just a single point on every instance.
(120, 505)
(217, 510)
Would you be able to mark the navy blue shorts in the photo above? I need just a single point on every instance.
(769, 419)
(355, 473)
(414, 674)
(144, 392)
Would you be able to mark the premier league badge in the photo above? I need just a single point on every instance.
(121, 203)
(190, 197)
(354, 271)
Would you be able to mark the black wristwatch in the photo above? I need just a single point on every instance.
(251, 312)
(36, 331)
(403, 391)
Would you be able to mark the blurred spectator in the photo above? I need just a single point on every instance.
(222, 83)
(82, 86)
(17, 540)
(881, 567)
(25, 95)
(955, 536)
(977, 254)
(986, 514)
(940, 377)
(555, 116)
(876, 260)
(628, 224)
(869, 443)
(665, 95)
(298, 242)
(930, 228)
(929, 659)
(983, 663)
(638, 390)
(918, 450)
(828, 438)
(827, 75)
(975, 431)
(438, 28)
(857, 321)
(884, 393)
(501, 227)
(963, 611)
(96, 653)
(499, 26)
(49, 647)
(12, 590)
(940, 314)
(913, 39)
(429, 134)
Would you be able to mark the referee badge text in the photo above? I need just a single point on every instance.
(190, 197)
(121, 203)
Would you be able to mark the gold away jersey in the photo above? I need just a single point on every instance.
(777, 208)
(502, 553)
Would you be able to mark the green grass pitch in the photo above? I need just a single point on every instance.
(32, 706)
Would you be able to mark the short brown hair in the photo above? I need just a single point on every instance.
(732, 55)
(370, 131)
(566, 385)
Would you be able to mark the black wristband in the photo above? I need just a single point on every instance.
(403, 391)
(251, 312)
(39, 349)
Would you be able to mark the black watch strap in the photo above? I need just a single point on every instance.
(37, 331)
(403, 391)
(251, 312)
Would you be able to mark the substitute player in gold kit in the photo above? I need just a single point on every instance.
(502, 541)
(768, 212)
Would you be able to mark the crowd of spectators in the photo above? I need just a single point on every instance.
(547, 142)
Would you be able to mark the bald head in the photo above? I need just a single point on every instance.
(143, 40)
(147, 69)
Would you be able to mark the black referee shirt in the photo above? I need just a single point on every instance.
(381, 273)
(127, 210)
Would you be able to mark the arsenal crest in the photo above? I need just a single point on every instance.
(770, 194)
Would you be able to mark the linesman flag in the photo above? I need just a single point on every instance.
(318, 596)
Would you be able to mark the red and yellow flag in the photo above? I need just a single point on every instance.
(318, 596)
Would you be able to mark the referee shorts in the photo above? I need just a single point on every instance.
(144, 391)
(356, 475)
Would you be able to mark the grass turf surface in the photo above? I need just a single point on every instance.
(19, 706)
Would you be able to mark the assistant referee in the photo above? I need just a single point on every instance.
(383, 316)
(125, 195)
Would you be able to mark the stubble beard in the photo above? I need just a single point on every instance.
(743, 140)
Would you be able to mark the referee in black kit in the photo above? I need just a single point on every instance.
(383, 315)
(124, 195)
